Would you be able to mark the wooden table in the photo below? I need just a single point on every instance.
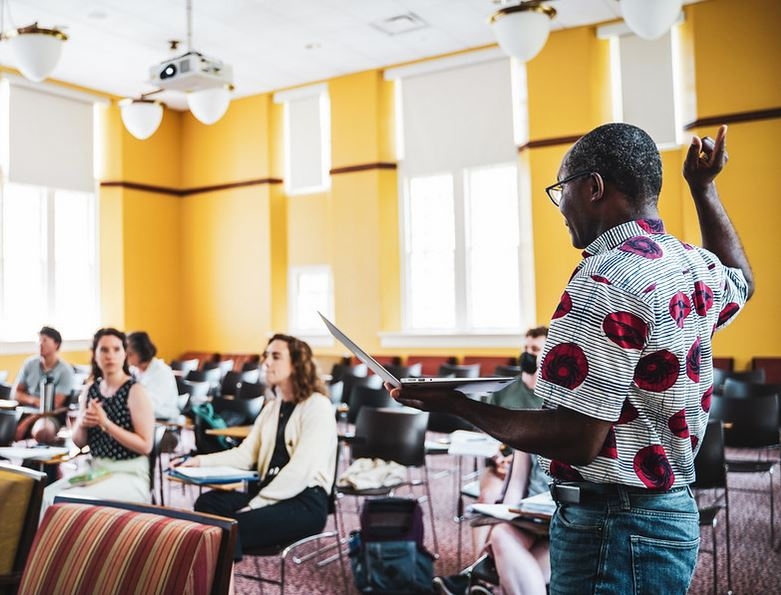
(238, 432)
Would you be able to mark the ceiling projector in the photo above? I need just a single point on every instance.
(191, 72)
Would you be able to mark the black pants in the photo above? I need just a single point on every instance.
(277, 524)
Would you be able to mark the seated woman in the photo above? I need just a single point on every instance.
(292, 445)
(116, 419)
(154, 374)
(521, 558)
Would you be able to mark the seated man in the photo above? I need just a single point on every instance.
(521, 557)
(47, 365)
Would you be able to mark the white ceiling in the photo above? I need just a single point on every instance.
(271, 44)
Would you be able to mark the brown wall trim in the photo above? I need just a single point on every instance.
(188, 191)
(362, 167)
(549, 142)
(762, 114)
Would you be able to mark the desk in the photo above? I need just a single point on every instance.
(238, 432)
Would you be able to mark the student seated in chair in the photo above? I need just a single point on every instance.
(516, 395)
(293, 447)
(46, 367)
(116, 420)
(521, 557)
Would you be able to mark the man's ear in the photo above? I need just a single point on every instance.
(597, 186)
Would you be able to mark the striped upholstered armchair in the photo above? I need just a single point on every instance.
(86, 547)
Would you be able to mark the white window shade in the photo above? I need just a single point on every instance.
(459, 117)
(647, 90)
(307, 139)
(50, 140)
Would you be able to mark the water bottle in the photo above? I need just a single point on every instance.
(46, 399)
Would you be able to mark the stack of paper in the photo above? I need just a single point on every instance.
(464, 442)
(218, 474)
(539, 506)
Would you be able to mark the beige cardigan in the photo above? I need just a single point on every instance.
(310, 437)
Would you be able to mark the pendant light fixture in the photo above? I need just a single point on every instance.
(650, 19)
(207, 82)
(36, 50)
(522, 27)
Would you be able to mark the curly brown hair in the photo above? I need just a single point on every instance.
(305, 376)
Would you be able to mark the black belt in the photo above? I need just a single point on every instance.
(585, 492)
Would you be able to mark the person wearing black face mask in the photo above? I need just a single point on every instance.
(519, 394)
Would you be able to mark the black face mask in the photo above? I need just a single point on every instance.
(528, 362)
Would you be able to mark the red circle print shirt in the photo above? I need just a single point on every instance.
(630, 343)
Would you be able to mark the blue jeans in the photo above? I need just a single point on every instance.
(625, 543)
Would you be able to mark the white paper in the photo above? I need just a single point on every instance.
(39, 453)
(214, 472)
(464, 442)
(541, 504)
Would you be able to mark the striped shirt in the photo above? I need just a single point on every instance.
(630, 343)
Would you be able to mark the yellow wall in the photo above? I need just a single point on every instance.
(206, 269)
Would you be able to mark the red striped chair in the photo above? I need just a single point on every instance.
(88, 546)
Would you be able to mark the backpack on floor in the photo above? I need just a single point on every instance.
(204, 418)
(387, 554)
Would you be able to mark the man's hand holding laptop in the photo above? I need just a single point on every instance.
(427, 399)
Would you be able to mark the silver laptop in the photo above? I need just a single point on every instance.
(464, 385)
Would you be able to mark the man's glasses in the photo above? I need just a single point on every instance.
(554, 190)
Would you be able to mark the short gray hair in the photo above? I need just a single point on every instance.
(625, 156)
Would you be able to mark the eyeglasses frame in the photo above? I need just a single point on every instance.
(559, 186)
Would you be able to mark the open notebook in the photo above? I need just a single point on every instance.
(540, 506)
(464, 385)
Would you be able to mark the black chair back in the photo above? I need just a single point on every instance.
(349, 382)
(709, 464)
(753, 422)
(230, 383)
(338, 371)
(411, 371)
(238, 412)
(185, 365)
(5, 390)
(9, 419)
(747, 388)
(508, 371)
(250, 390)
(368, 396)
(392, 435)
(459, 371)
(757, 375)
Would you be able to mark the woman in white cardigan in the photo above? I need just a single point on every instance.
(293, 447)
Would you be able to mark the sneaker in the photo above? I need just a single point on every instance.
(480, 590)
(455, 584)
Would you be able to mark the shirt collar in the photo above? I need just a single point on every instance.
(617, 235)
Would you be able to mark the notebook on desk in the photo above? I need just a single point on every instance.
(464, 385)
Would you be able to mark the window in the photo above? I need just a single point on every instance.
(644, 85)
(310, 292)
(49, 262)
(464, 212)
(307, 126)
(48, 232)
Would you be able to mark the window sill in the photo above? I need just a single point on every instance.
(31, 347)
(511, 339)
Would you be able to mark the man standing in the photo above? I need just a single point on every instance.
(626, 375)
(48, 366)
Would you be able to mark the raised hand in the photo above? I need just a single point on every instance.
(705, 159)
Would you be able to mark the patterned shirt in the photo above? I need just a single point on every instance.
(100, 443)
(630, 343)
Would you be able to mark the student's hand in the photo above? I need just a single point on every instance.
(705, 159)
(184, 461)
(94, 416)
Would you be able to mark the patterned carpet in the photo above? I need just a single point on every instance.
(756, 567)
